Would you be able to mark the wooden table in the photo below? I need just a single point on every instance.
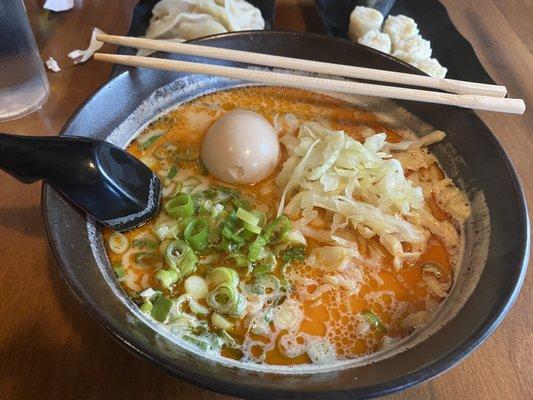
(50, 347)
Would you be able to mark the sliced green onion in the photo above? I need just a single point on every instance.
(181, 205)
(147, 139)
(144, 244)
(261, 216)
(252, 228)
(232, 236)
(221, 275)
(277, 228)
(165, 151)
(196, 307)
(180, 256)
(148, 260)
(255, 248)
(187, 154)
(266, 266)
(167, 277)
(240, 259)
(265, 284)
(247, 217)
(240, 307)
(374, 320)
(166, 230)
(294, 237)
(196, 286)
(161, 308)
(433, 269)
(203, 343)
(172, 171)
(286, 317)
(149, 294)
(223, 299)
(227, 339)
(196, 234)
(220, 322)
(190, 183)
(118, 243)
(119, 270)
(147, 307)
(240, 263)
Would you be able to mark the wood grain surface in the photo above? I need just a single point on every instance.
(49, 346)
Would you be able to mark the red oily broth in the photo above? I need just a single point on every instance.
(390, 293)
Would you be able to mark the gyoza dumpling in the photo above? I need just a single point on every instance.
(363, 20)
(400, 28)
(235, 15)
(376, 40)
(191, 26)
(189, 19)
(415, 46)
(165, 15)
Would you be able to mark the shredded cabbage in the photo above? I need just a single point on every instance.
(362, 184)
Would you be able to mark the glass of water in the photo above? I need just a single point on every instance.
(23, 83)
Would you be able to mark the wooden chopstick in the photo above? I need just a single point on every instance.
(448, 85)
(513, 106)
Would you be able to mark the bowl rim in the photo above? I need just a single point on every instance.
(428, 372)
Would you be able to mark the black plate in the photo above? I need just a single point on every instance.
(449, 46)
(485, 171)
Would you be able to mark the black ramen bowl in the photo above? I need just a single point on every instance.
(496, 236)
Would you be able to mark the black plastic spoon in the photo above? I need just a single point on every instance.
(105, 181)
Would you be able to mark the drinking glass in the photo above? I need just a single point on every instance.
(23, 83)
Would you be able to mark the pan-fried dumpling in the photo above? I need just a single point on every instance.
(189, 19)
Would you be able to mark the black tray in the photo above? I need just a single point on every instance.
(143, 12)
(449, 47)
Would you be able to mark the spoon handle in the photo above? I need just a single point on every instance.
(32, 158)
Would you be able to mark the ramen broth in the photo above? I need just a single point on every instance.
(370, 306)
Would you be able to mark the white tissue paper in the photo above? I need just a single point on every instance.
(94, 46)
(58, 5)
(52, 65)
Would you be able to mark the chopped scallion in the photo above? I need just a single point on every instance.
(119, 270)
(187, 154)
(181, 205)
(196, 287)
(247, 217)
(277, 228)
(179, 256)
(374, 320)
(118, 243)
(252, 228)
(221, 322)
(196, 234)
(161, 308)
(172, 171)
(166, 277)
(148, 260)
(254, 250)
(147, 307)
(223, 275)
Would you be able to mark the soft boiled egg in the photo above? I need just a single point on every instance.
(241, 147)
